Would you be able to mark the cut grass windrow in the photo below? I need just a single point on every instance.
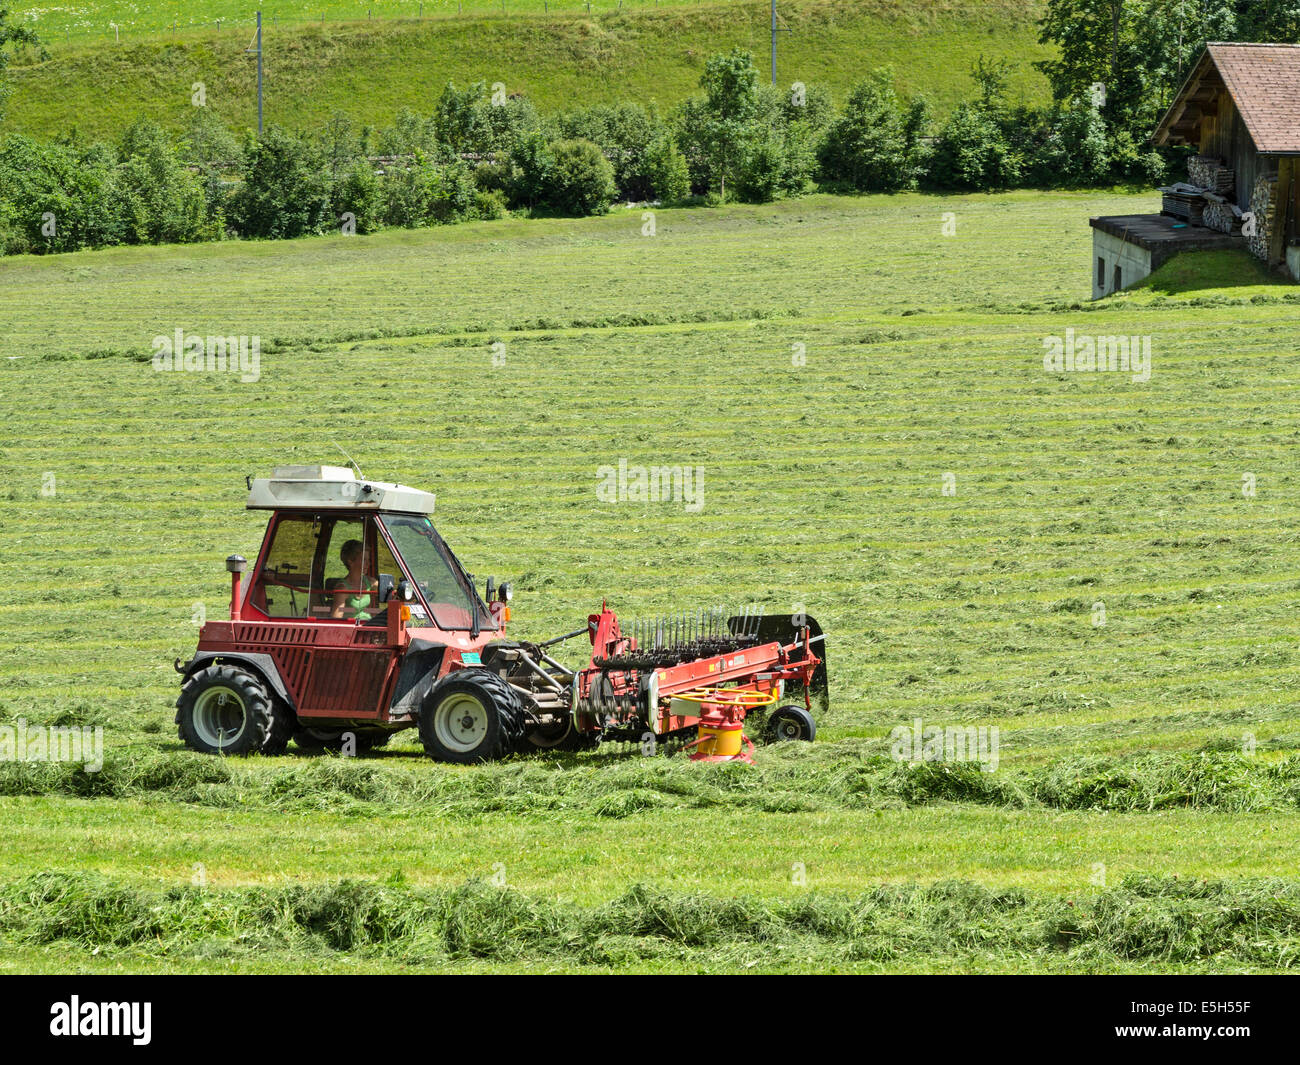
(1243, 923)
(788, 779)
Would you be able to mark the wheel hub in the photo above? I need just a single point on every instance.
(460, 722)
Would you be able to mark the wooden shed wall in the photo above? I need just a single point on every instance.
(1225, 135)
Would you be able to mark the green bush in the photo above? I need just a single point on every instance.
(1070, 147)
(159, 199)
(411, 133)
(1132, 161)
(874, 145)
(285, 188)
(626, 135)
(667, 175)
(62, 195)
(217, 156)
(583, 181)
(531, 171)
(759, 178)
(424, 193)
(974, 152)
(489, 204)
(467, 121)
(361, 194)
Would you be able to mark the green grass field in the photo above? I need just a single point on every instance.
(560, 59)
(1149, 771)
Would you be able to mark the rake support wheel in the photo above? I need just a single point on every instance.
(790, 723)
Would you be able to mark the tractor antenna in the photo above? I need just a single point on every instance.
(355, 468)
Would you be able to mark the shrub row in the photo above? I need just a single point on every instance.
(478, 157)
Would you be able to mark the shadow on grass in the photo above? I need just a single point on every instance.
(1199, 271)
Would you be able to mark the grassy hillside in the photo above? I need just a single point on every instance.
(1161, 741)
(371, 69)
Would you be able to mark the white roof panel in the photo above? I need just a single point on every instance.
(333, 488)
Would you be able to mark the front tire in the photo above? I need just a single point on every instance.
(224, 709)
(470, 716)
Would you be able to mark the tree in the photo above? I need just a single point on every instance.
(666, 172)
(214, 150)
(532, 170)
(980, 146)
(160, 200)
(874, 145)
(285, 188)
(730, 85)
(1139, 50)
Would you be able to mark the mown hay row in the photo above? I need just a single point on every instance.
(1148, 919)
(846, 775)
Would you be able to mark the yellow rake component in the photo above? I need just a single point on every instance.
(734, 697)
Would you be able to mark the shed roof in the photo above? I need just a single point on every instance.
(1264, 83)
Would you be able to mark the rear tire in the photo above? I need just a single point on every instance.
(790, 723)
(472, 715)
(224, 709)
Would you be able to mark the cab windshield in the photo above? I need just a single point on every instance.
(443, 584)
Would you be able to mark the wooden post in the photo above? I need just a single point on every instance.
(1281, 200)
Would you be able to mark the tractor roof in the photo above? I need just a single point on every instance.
(332, 488)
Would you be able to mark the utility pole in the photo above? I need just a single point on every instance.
(775, 30)
(258, 50)
(259, 74)
(773, 42)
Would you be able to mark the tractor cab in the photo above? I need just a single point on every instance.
(342, 550)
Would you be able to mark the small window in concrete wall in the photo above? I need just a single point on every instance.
(1101, 272)
(1119, 278)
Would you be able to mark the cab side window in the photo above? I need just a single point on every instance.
(333, 576)
(284, 585)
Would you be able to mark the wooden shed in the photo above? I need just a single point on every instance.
(1240, 108)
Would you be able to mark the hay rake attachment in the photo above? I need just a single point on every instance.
(704, 671)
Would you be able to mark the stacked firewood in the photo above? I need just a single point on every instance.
(1206, 172)
(1221, 215)
(1261, 206)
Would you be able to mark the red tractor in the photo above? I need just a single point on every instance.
(358, 621)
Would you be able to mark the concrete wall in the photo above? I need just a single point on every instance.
(1134, 263)
(1293, 262)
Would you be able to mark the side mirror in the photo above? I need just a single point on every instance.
(491, 589)
(385, 587)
